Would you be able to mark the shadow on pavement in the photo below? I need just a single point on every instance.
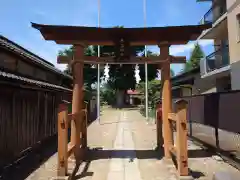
(98, 153)
(83, 173)
(199, 153)
(196, 153)
(23, 167)
(126, 107)
(196, 174)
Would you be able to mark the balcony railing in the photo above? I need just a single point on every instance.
(216, 60)
(215, 12)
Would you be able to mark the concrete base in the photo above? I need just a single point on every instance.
(185, 178)
(60, 178)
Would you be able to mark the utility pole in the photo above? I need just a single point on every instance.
(146, 65)
(98, 71)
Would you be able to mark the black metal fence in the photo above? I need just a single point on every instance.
(214, 120)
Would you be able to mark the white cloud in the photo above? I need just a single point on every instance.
(177, 49)
(84, 13)
(174, 50)
(61, 67)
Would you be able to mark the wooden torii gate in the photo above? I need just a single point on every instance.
(123, 39)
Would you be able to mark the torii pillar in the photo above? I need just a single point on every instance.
(77, 99)
(166, 98)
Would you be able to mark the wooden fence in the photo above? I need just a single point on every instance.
(66, 148)
(179, 149)
(27, 117)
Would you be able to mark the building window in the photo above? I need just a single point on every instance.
(238, 27)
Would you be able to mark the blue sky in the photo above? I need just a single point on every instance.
(15, 18)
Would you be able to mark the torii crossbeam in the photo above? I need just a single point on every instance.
(123, 39)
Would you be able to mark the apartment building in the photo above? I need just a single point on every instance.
(223, 65)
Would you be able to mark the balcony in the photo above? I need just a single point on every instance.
(215, 12)
(215, 63)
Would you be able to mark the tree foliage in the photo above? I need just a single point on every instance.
(152, 69)
(194, 61)
(108, 95)
(172, 73)
(89, 73)
(154, 88)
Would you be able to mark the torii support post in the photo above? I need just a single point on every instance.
(166, 100)
(159, 125)
(62, 140)
(182, 151)
(77, 100)
(84, 126)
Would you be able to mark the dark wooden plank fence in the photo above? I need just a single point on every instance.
(27, 117)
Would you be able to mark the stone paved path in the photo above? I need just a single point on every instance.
(122, 148)
(124, 168)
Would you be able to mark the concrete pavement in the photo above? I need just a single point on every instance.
(122, 147)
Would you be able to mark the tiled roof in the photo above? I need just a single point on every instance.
(31, 81)
(132, 92)
(15, 48)
(189, 74)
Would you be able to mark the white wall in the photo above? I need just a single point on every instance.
(235, 75)
(234, 42)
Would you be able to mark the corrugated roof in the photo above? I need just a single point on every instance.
(32, 81)
(10, 45)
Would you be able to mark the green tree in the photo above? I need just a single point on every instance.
(89, 72)
(194, 61)
(121, 76)
(172, 73)
(154, 87)
(151, 68)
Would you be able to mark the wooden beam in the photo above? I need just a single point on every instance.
(70, 149)
(182, 150)
(77, 101)
(172, 117)
(61, 59)
(84, 127)
(173, 150)
(74, 116)
(159, 125)
(166, 101)
(133, 60)
(111, 43)
(62, 140)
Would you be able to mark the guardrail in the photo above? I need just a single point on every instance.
(66, 149)
(215, 12)
(217, 59)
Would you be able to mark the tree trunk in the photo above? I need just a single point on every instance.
(120, 98)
